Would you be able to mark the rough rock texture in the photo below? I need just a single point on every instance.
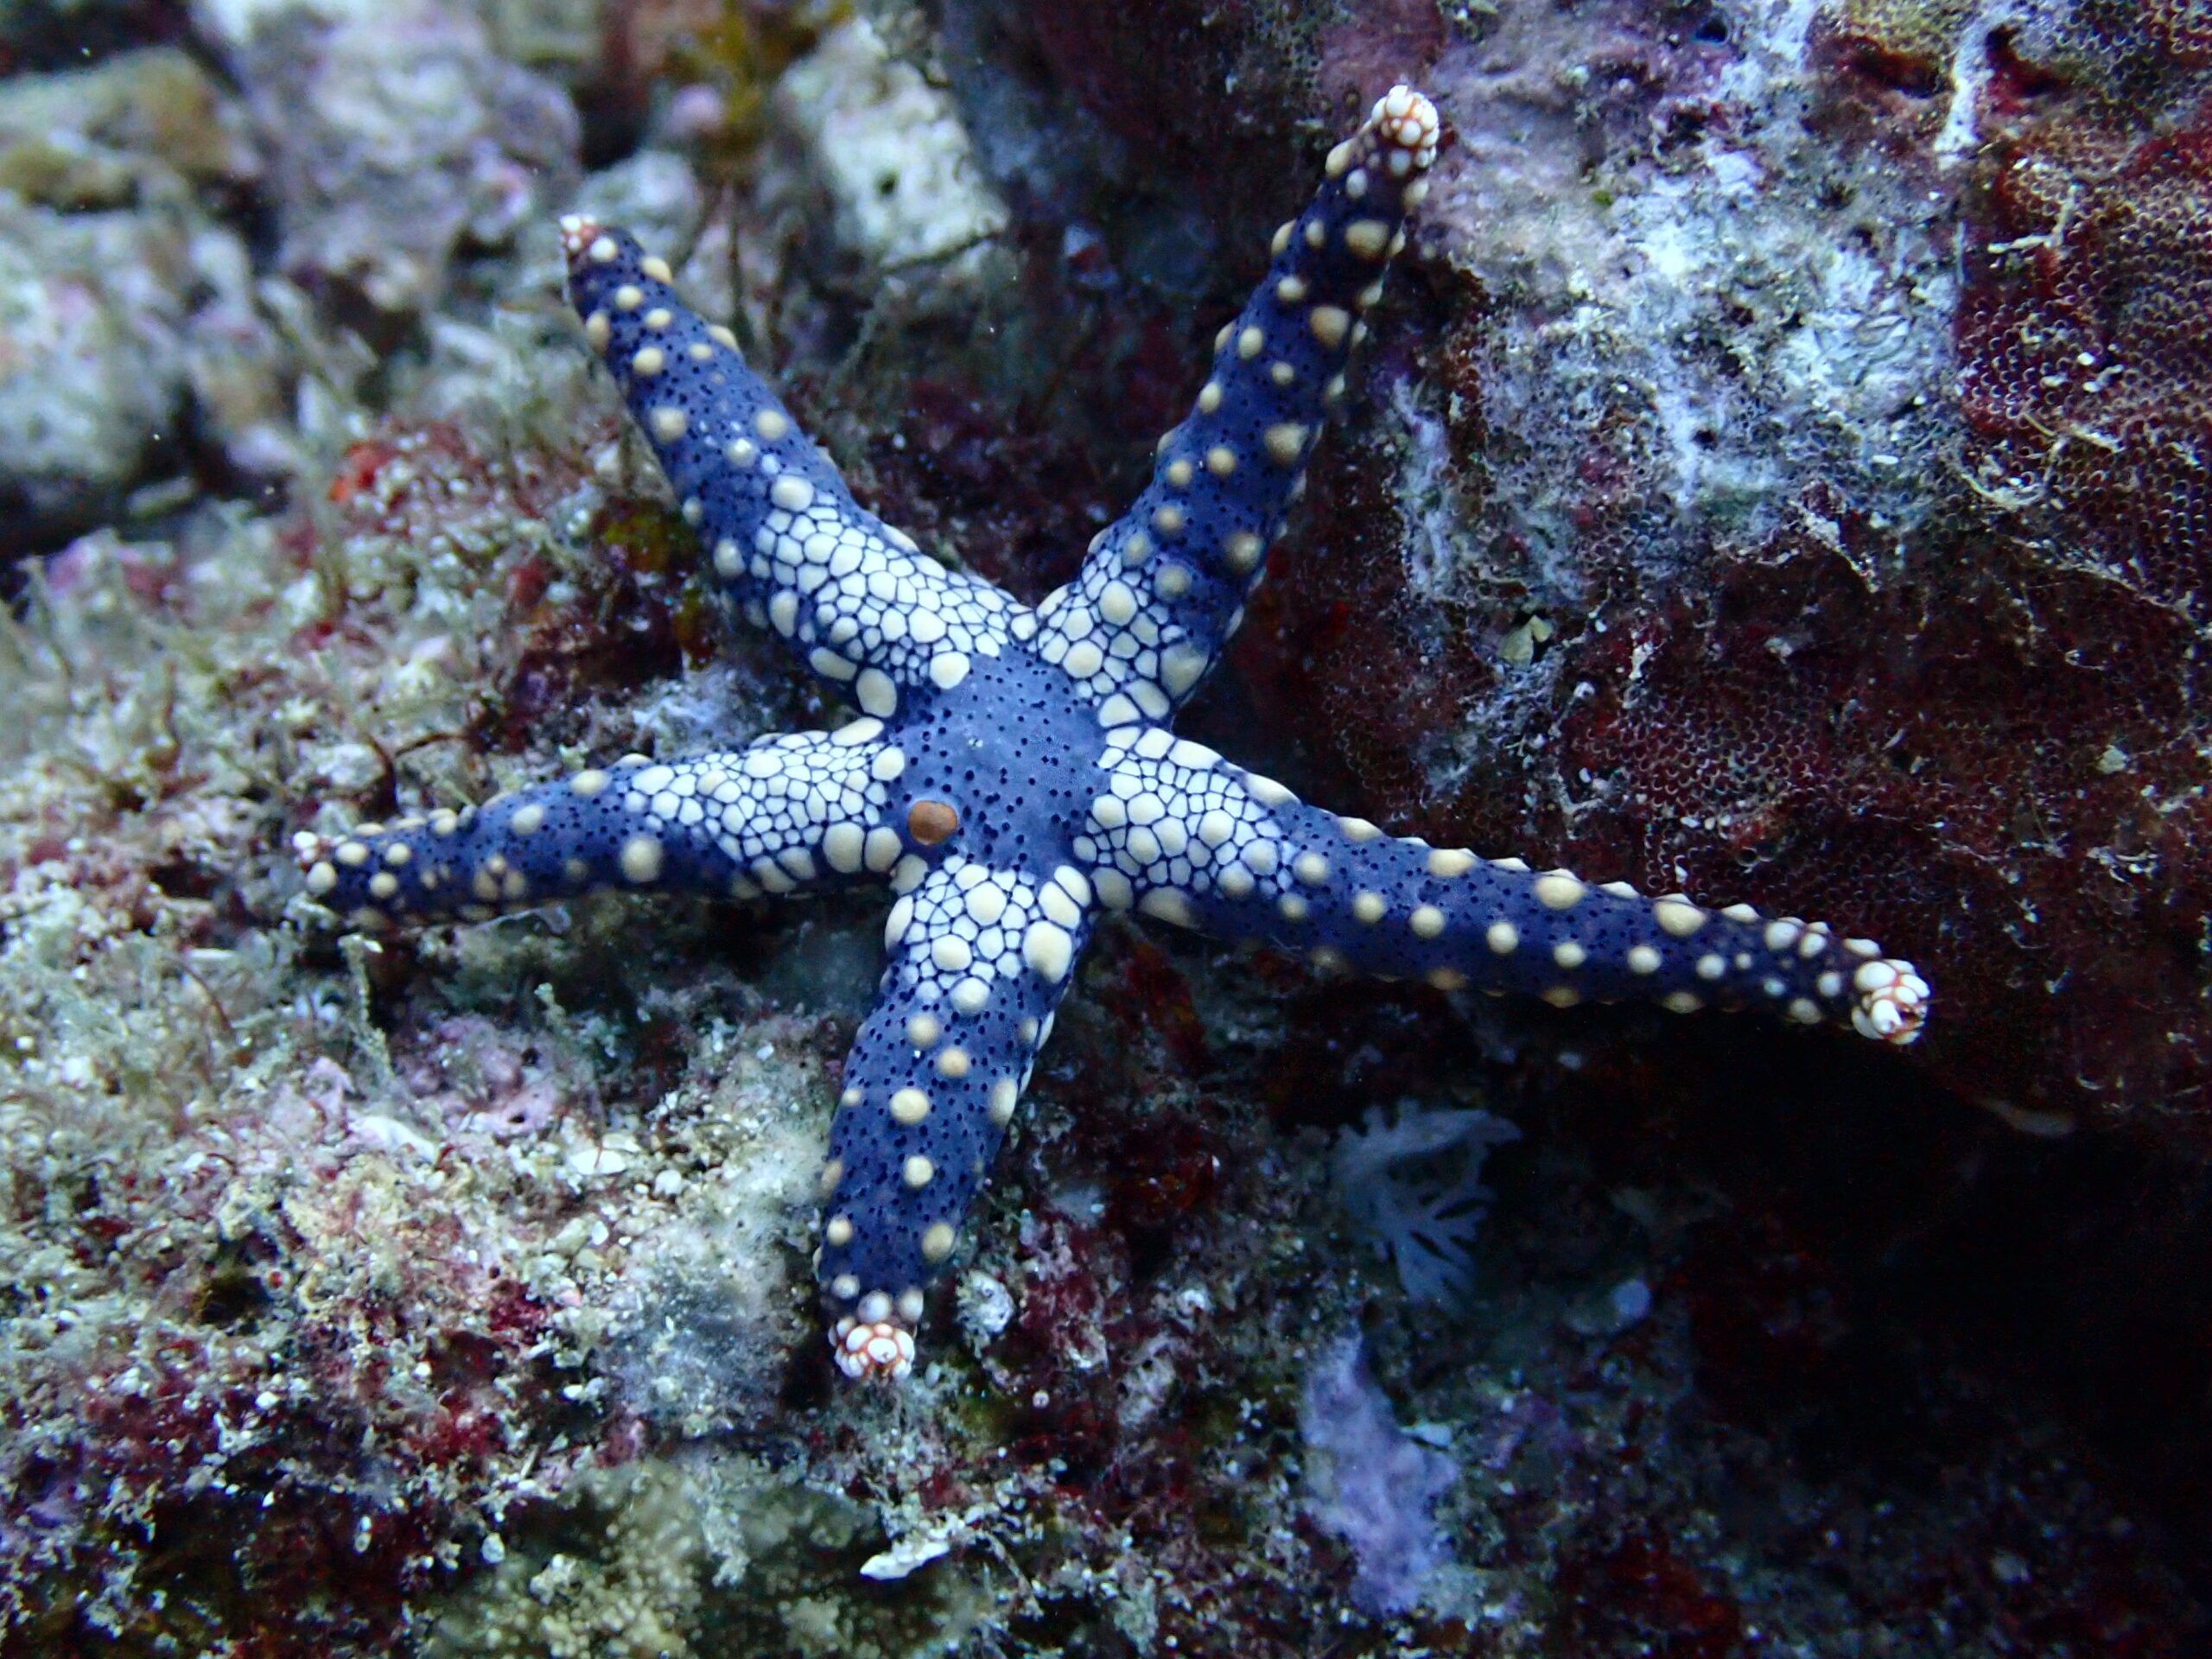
(399, 145)
(132, 343)
(440, 1297)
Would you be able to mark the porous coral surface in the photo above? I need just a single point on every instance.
(448, 1295)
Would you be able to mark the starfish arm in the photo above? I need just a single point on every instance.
(785, 813)
(1163, 588)
(1181, 834)
(980, 959)
(860, 604)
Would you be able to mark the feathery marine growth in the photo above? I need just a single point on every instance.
(1014, 773)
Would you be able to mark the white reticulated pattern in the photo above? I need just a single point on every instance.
(962, 926)
(788, 809)
(1175, 819)
(863, 597)
(1116, 642)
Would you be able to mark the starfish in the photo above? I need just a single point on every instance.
(1013, 773)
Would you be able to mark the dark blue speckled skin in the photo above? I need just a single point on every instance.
(1012, 773)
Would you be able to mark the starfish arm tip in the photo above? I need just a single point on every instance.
(1163, 588)
(1891, 1000)
(980, 959)
(873, 1351)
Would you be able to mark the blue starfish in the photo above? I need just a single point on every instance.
(1014, 773)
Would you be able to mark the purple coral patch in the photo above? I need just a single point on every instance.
(1370, 1484)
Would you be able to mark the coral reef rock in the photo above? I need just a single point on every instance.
(399, 145)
